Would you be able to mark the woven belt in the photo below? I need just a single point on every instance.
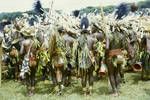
(115, 52)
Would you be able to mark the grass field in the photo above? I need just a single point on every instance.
(133, 89)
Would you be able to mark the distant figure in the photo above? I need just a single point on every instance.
(3, 24)
(134, 7)
(31, 21)
(123, 10)
(38, 8)
(76, 13)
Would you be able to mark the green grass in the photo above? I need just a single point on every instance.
(133, 89)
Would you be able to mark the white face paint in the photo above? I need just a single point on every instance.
(6, 35)
(84, 15)
(1, 35)
(141, 33)
(83, 27)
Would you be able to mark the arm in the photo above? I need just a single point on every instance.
(22, 48)
(107, 46)
(107, 49)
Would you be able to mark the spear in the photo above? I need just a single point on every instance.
(102, 12)
(51, 6)
(0, 64)
(104, 26)
(50, 10)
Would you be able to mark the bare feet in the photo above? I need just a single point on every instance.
(116, 94)
(30, 93)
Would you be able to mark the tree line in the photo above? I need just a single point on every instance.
(90, 9)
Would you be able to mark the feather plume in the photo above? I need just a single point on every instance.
(38, 7)
(122, 10)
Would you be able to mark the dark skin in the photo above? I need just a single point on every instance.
(30, 78)
(57, 66)
(114, 72)
(145, 57)
(68, 45)
(87, 73)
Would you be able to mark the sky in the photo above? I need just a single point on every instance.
(66, 5)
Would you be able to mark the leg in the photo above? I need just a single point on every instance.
(53, 75)
(13, 71)
(68, 74)
(54, 79)
(90, 79)
(63, 79)
(111, 74)
(121, 73)
(17, 72)
(44, 73)
(60, 77)
(83, 79)
(142, 74)
(63, 76)
(117, 78)
(32, 77)
(28, 83)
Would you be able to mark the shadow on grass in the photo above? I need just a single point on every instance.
(101, 91)
(147, 91)
(24, 93)
(136, 78)
(75, 89)
(44, 88)
(40, 88)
